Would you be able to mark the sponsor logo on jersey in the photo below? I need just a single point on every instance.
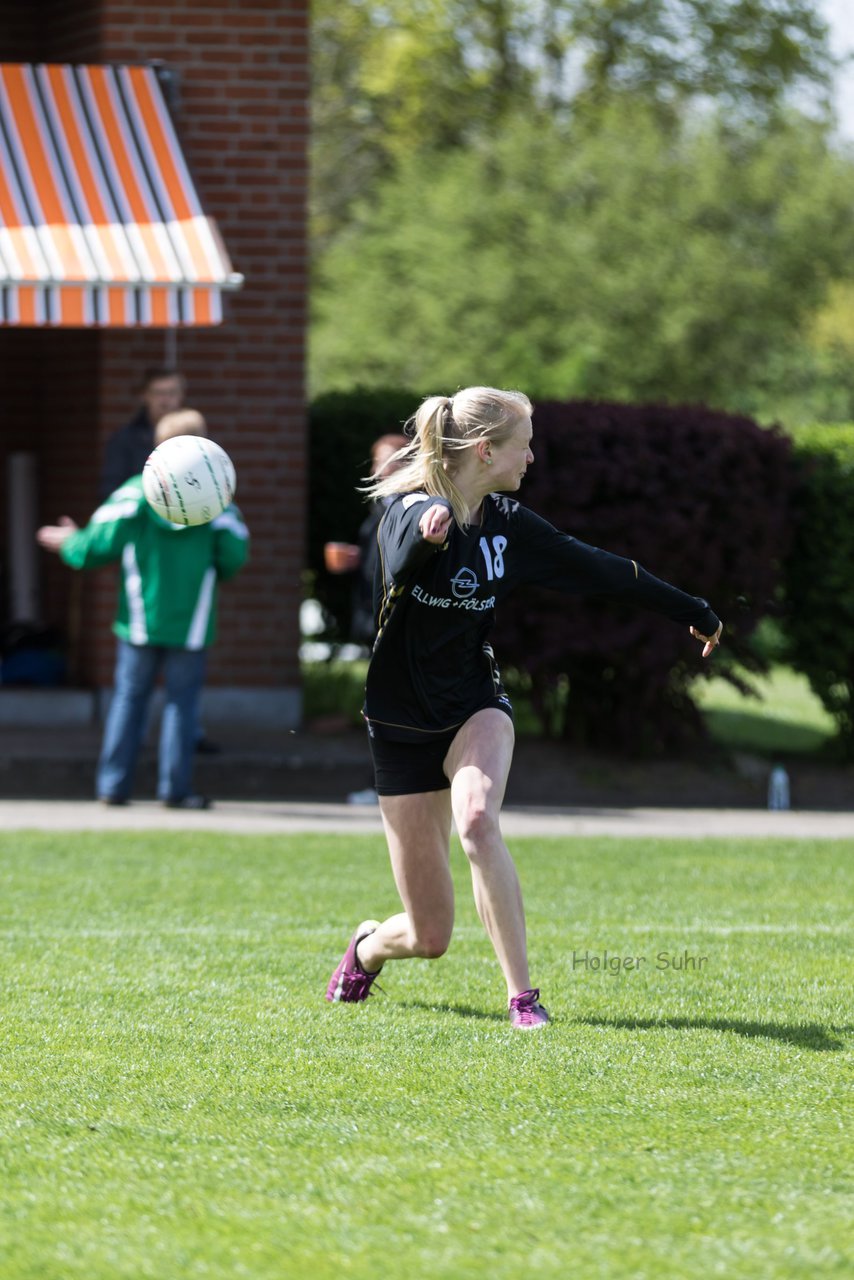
(445, 602)
(464, 583)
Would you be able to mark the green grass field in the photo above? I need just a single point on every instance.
(177, 1100)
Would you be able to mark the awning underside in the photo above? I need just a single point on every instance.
(100, 223)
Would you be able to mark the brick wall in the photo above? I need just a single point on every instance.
(242, 115)
(69, 29)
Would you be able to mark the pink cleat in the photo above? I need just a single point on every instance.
(526, 1012)
(350, 983)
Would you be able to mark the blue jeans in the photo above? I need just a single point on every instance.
(137, 668)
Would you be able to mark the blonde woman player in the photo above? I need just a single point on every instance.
(451, 547)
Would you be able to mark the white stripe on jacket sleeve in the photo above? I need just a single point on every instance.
(197, 634)
(137, 628)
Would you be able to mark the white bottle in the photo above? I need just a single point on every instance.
(779, 792)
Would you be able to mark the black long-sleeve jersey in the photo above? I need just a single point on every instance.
(432, 666)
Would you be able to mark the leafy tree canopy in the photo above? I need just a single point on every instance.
(745, 55)
(393, 77)
(632, 261)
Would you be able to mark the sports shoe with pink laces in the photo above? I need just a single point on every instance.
(526, 1012)
(350, 983)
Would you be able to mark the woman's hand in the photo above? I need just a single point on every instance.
(52, 536)
(435, 524)
(710, 642)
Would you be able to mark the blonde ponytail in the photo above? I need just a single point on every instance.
(442, 428)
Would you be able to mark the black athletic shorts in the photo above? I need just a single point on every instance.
(409, 768)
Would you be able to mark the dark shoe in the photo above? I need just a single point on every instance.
(188, 802)
(204, 747)
(113, 800)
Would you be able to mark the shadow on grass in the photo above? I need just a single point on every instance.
(461, 1010)
(808, 1036)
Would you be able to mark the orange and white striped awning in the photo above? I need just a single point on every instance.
(100, 223)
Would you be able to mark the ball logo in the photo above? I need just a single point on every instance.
(464, 583)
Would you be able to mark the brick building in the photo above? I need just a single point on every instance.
(239, 73)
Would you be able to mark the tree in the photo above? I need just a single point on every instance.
(392, 78)
(629, 262)
(747, 56)
(812, 379)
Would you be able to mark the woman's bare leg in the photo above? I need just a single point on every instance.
(418, 829)
(477, 763)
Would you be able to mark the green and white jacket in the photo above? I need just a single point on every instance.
(169, 572)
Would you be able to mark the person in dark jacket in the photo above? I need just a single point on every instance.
(360, 558)
(162, 391)
(440, 724)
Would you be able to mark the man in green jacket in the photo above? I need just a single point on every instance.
(165, 620)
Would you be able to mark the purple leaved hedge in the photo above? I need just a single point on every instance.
(699, 498)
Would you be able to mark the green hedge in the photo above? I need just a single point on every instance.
(819, 571)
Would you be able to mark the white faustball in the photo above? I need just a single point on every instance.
(189, 480)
